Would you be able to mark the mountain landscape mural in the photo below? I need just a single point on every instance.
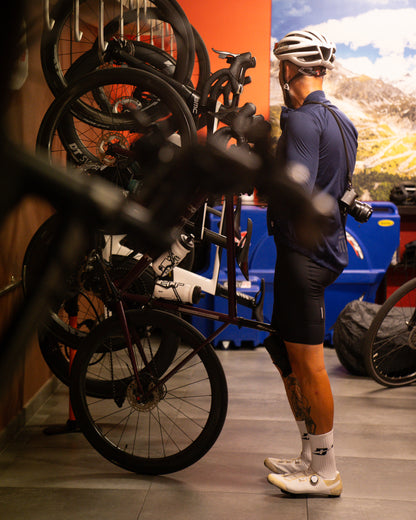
(385, 118)
(373, 82)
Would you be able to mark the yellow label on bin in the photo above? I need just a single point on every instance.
(385, 223)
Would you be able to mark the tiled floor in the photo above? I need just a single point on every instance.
(61, 477)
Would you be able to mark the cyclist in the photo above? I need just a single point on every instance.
(310, 138)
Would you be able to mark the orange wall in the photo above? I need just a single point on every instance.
(237, 26)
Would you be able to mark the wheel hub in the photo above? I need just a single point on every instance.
(126, 104)
(105, 144)
(154, 396)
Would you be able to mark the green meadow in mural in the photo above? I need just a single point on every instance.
(374, 80)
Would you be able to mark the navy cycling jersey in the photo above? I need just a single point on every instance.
(311, 137)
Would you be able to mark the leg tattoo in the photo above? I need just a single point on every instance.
(298, 403)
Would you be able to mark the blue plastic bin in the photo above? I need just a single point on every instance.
(371, 247)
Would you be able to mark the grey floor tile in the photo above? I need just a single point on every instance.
(68, 504)
(216, 506)
(55, 467)
(360, 509)
(251, 407)
(378, 479)
(221, 472)
(375, 441)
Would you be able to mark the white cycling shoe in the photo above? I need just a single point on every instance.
(307, 483)
(286, 465)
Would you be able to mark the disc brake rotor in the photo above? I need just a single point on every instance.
(154, 397)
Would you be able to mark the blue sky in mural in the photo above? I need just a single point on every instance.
(374, 37)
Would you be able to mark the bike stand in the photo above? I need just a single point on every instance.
(71, 425)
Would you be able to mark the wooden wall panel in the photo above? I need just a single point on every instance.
(27, 106)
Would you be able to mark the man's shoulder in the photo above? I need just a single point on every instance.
(303, 118)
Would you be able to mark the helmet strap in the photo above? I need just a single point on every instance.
(286, 85)
(286, 95)
(316, 73)
(302, 71)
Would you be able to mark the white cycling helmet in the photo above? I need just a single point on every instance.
(306, 49)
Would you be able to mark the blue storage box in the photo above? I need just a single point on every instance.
(371, 247)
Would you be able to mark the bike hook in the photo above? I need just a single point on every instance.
(102, 44)
(49, 22)
(77, 33)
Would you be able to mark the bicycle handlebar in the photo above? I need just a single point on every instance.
(235, 74)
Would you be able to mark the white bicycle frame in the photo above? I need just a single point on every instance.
(183, 276)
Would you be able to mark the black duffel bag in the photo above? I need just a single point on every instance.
(349, 332)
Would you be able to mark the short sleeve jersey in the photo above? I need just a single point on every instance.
(311, 137)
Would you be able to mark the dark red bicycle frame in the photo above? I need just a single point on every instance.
(230, 318)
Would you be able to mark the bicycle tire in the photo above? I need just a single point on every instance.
(154, 56)
(202, 65)
(57, 323)
(56, 355)
(52, 66)
(389, 344)
(144, 437)
(90, 310)
(63, 135)
(103, 113)
(148, 54)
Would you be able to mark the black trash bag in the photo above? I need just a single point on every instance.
(409, 254)
(403, 193)
(396, 342)
(349, 332)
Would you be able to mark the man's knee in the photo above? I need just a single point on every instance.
(277, 351)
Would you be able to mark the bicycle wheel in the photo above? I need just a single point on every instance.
(390, 343)
(109, 140)
(89, 309)
(82, 307)
(161, 23)
(56, 354)
(176, 421)
(159, 59)
(147, 54)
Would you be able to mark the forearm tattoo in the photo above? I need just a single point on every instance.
(299, 404)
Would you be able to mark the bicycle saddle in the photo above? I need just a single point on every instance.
(224, 54)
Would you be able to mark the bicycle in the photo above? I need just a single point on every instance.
(389, 344)
(115, 148)
(88, 124)
(82, 308)
(150, 404)
(106, 141)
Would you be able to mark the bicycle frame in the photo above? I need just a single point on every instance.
(229, 318)
(207, 285)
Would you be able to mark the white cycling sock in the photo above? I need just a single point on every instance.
(306, 454)
(323, 455)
